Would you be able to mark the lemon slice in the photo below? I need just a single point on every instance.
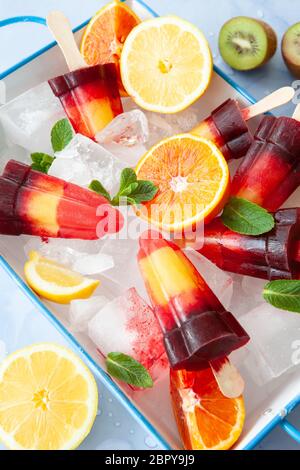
(166, 64)
(48, 399)
(55, 282)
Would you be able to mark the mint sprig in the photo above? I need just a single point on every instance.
(61, 136)
(41, 161)
(132, 191)
(128, 370)
(247, 218)
(284, 294)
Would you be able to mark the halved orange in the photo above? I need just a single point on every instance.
(206, 419)
(103, 39)
(193, 180)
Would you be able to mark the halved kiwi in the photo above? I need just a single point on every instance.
(246, 43)
(290, 48)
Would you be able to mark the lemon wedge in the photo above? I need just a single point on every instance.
(55, 282)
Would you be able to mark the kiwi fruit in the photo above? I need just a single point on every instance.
(246, 43)
(290, 48)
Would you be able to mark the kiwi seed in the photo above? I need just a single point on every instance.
(246, 43)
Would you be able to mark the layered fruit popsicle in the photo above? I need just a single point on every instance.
(270, 172)
(274, 255)
(34, 203)
(228, 129)
(90, 97)
(195, 325)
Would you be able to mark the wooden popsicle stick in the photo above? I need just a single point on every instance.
(296, 114)
(61, 29)
(277, 98)
(229, 380)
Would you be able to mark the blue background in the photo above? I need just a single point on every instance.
(114, 428)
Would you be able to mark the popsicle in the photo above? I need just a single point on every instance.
(274, 255)
(34, 203)
(270, 172)
(196, 327)
(227, 125)
(89, 95)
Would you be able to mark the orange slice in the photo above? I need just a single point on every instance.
(193, 180)
(206, 419)
(103, 39)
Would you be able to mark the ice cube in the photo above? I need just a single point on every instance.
(220, 282)
(93, 264)
(128, 325)
(84, 160)
(130, 156)
(125, 136)
(162, 126)
(128, 129)
(63, 251)
(28, 119)
(14, 151)
(275, 341)
(83, 310)
(74, 171)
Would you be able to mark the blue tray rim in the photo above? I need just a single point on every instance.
(114, 389)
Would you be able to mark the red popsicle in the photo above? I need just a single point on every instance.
(274, 255)
(196, 327)
(90, 97)
(34, 203)
(227, 125)
(270, 172)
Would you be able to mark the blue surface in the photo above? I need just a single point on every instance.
(249, 81)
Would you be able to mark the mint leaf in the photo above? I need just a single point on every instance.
(128, 189)
(61, 135)
(122, 198)
(247, 218)
(128, 177)
(97, 187)
(132, 191)
(284, 294)
(41, 161)
(145, 191)
(128, 370)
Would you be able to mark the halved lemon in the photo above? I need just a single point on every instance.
(193, 180)
(104, 36)
(55, 282)
(48, 399)
(166, 64)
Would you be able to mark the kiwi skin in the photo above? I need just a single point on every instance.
(271, 41)
(293, 67)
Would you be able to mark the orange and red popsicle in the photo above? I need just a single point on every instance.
(227, 127)
(34, 203)
(90, 97)
(196, 327)
(270, 171)
(273, 255)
